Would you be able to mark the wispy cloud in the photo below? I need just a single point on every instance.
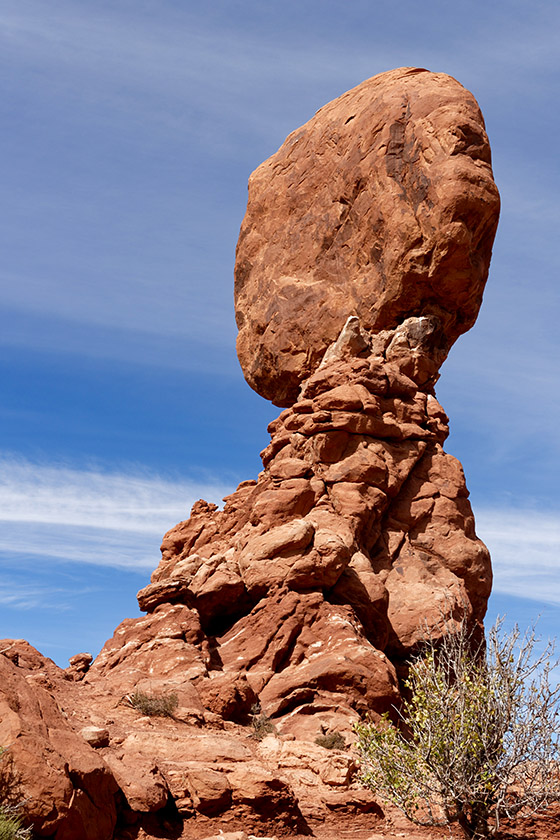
(213, 353)
(222, 72)
(89, 516)
(118, 519)
(525, 549)
(27, 596)
(179, 57)
(163, 74)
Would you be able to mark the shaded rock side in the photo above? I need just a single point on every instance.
(383, 206)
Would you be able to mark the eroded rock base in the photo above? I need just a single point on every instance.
(287, 615)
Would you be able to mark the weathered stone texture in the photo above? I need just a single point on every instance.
(382, 206)
(362, 257)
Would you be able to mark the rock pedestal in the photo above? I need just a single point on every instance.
(315, 582)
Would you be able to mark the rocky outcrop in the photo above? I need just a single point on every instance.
(316, 581)
(67, 789)
(293, 611)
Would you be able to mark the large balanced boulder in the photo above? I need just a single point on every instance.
(382, 206)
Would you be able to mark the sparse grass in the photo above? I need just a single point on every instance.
(10, 806)
(332, 741)
(10, 825)
(153, 705)
(261, 723)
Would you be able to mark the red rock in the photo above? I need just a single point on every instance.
(403, 228)
(95, 736)
(37, 668)
(139, 779)
(289, 468)
(164, 644)
(293, 497)
(361, 801)
(66, 788)
(295, 554)
(295, 535)
(265, 799)
(328, 447)
(362, 465)
(228, 695)
(229, 835)
(210, 790)
(260, 641)
(332, 663)
(365, 590)
(308, 592)
(342, 397)
(79, 665)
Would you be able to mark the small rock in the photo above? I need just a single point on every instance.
(79, 666)
(95, 736)
(229, 835)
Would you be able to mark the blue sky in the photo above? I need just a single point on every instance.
(129, 130)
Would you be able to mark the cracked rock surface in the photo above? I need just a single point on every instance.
(383, 206)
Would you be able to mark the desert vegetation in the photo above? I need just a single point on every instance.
(332, 741)
(477, 739)
(11, 827)
(261, 723)
(152, 705)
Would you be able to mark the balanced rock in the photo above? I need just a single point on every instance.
(294, 611)
(363, 255)
(382, 206)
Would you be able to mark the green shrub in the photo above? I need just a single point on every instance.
(332, 741)
(479, 735)
(153, 705)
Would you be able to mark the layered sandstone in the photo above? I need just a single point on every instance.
(362, 257)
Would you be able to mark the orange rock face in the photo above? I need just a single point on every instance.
(67, 788)
(382, 206)
(293, 611)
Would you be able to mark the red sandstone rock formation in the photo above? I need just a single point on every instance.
(315, 581)
(67, 788)
(382, 206)
(362, 257)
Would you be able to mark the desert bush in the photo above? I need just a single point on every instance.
(478, 739)
(261, 723)
(154, 705)
(332, 741)
(11, 827)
